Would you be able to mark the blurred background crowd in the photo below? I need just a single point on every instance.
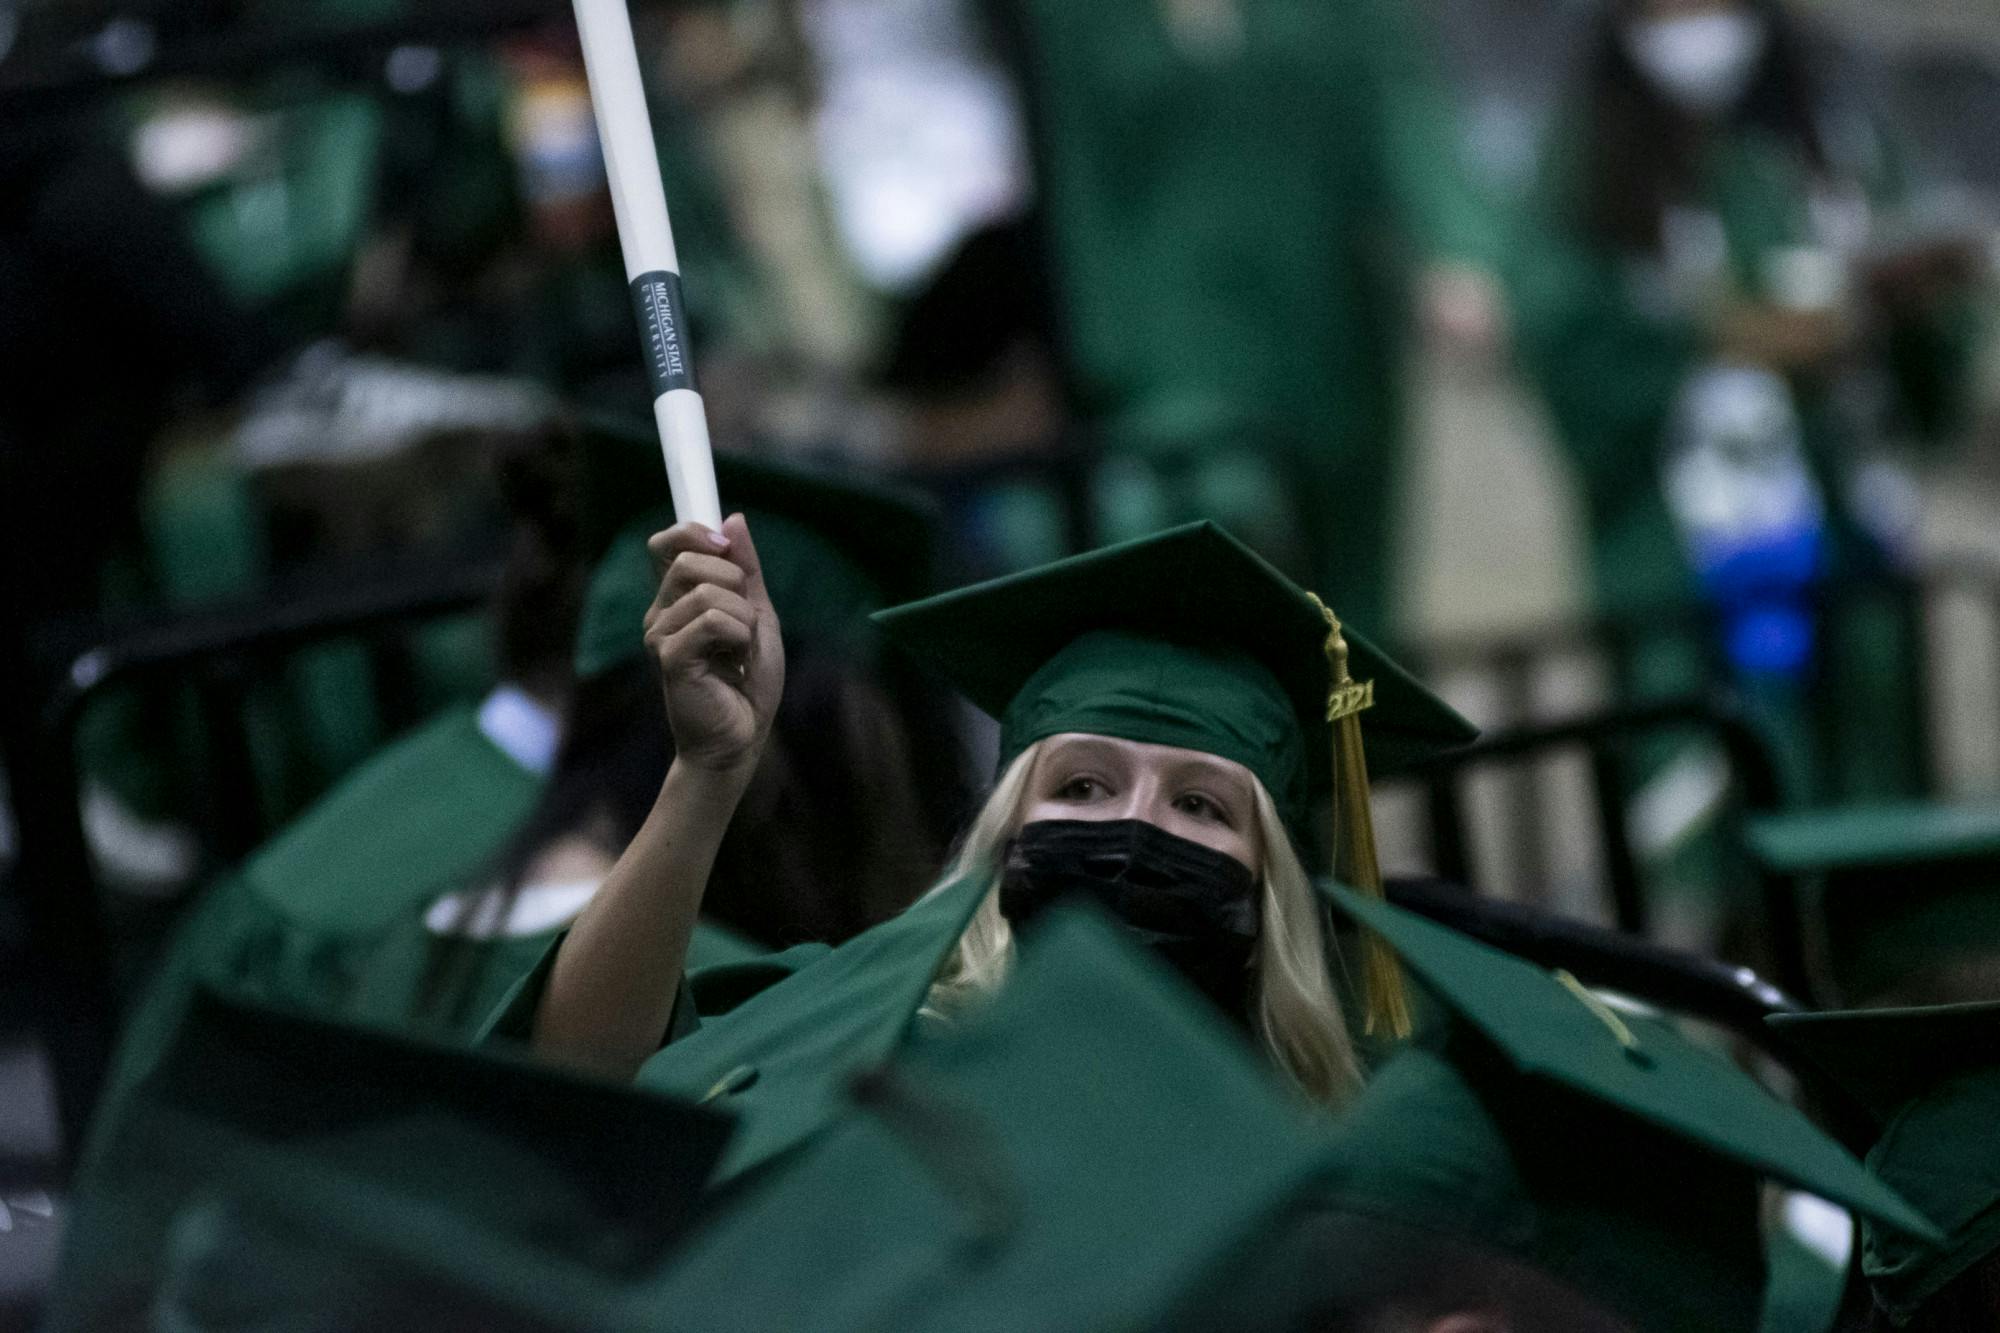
(1629, 365)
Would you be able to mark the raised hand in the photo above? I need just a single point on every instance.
(714, 634)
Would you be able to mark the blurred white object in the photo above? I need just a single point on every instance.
(138, 856)
(1703, 63)
(918, 132)
(497, 913)
(521, 728)
(1807, 277)
(1824, 1228)
(188, 146)
(1678, 801)
(334, 406)
(1736, 465)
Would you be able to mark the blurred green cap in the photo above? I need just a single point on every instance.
(1599, 1146)
(1078, 1155)
(835, 546)
(1932, 1075)
(266, 1136)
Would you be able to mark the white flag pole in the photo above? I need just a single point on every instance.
(651, 267)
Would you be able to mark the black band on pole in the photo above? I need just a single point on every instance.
(656, 300)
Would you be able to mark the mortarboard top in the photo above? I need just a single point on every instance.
(1599, 1146)
(835, 546)
(1933, 1076)
(589, 1174)
(1185, 638)
(1904, 887)
(1079, 1155)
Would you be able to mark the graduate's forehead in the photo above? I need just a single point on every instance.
(1073, 747)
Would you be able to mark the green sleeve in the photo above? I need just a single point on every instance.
(513, 1020)
(712, 991)
(1419, 142)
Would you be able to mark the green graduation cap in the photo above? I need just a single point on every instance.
(1189, 638)
(1080, 1155)
(1598, 1146)
(835, 546)
(1904, 889)
(252, 1104)
(1933, 1077)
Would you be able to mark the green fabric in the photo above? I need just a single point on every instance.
(779, 1059)
(1933, 1075)
(290, 233)
(1077, 1156)
(1803, 1292)
(1901, 835)
(1904, 889)
(1229, 228)
(1601, 1147)
(405, 827)
(485, 1158)
(783, 1056)
(1186, 638)
(1546, 1032)
(718, 977)
(1143, 689)
(834, 546)
(1461, 1145)
(305, 919)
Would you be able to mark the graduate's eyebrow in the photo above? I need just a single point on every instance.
(1215, 772)
(1084, 750)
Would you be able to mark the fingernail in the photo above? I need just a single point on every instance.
(718, 541)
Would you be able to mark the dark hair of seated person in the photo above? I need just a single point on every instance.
(540, 597)
(846, 821)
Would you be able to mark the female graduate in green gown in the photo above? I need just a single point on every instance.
(1721, 253)
(1168, 710)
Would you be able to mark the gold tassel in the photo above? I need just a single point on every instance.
(1386, 1004)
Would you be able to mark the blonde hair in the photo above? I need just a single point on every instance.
(1295, 1011)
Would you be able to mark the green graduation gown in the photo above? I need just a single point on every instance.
(1230, 220)
(303, 920)
(787, 1031)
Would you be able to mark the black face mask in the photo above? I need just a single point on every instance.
(1194, 906)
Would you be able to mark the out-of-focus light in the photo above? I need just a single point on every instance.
(196, 145)
(124, 46)
(411, 69)
(10, 28)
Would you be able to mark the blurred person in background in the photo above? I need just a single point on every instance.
(1246, 208)
(430, 880)
(1747, 328)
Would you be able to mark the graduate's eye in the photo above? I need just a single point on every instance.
(1082, 787)
(1202, 807)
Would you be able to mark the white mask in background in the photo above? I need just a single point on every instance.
(1703, 63)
